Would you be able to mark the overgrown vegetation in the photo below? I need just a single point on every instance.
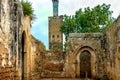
(27, 8)
(89, 20)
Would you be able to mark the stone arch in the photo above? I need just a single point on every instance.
(24, 56)
(93, 60)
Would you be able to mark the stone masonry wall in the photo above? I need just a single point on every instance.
(53, 64)
(10, 38)
(26, 55)
(112, 49)
(38, 49)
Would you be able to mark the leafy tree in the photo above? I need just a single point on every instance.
(68, 25)
(89, 20)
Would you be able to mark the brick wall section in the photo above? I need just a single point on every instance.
(6, 71)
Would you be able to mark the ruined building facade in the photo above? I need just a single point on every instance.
(94, 54)
(84, 55)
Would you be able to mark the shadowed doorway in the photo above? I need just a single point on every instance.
(85, 64)
(24, 57)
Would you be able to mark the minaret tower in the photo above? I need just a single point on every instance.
(55, 7)
(55, 35)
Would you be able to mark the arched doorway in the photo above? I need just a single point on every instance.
(85, 64)
(24, 58)
(91, 60)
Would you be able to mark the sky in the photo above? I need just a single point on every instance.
(44, 8)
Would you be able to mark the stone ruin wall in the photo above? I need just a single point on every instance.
(108, 53)
(26, 55)
(14, 31)
(38, 49)
(85, 40)
(112, 49)
(52, 64)
(46, 63)
(10, 38)
(10, 45)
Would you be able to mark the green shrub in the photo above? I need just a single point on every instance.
(27, 8)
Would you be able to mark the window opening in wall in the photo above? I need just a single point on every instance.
(53, 36)
(15, 36)
(57, 36)
(119, 49)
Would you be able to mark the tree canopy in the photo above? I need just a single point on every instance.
(89, 20)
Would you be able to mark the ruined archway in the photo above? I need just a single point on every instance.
(24, 57)
(85, 64)
(92, 72)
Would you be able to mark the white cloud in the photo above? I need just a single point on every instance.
(70, 6)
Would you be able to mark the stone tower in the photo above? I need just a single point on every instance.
(55, 7)
(55, 35)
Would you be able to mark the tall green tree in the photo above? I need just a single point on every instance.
(68, 25)
(89, 20)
